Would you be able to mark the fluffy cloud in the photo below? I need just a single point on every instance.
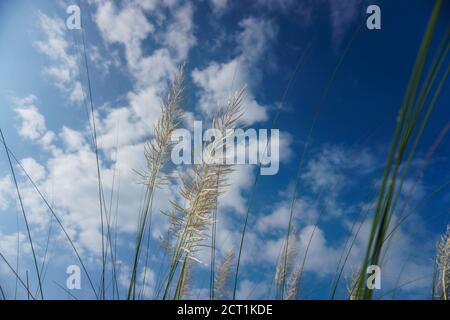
(255, 39)
(330, 164)
(73, 140)
(33, 168)
(70, 172)
(252, 290)
(342, 16)
(329, 167)
(64, 66)
(218, 80)
(32, 126)
(217, 83)
(241, 180)
(6, 188)
(33, 122)
(68, 176)
(219, 6)
(129, 26)
(9, 244)
(178, 36)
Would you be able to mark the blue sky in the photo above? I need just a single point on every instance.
(134, 48)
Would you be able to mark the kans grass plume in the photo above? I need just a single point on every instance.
(223, 277)
(157, 153)
(441, 287)
(200, 189)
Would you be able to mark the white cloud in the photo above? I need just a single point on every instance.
(251, 290)
(145, 104)
(332, 162)
(342, 15)
(33, 168)
(322, 256)
(9, 243)
(73, 176)
(276, 220)
(120, 128)
(178, 35)
(6, 188)
(47, 139)
(218, 80)
(72, 170)
(128, 26)
(33, 122)
(56, 46)
(70, 173)
(256, 38)
(323, 169)
(148, 5)
(103, 62)
(32, 126)
(77, 94)
(219, 6)
(64, 65)
(73, 140)
(278, 4)
(241, 179)
(217, 83)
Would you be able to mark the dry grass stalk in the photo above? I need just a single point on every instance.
(157, 153)
(352, 284)
(443, 267)
(223, 277)
(284, 268)
(292, 289)
(200, 190)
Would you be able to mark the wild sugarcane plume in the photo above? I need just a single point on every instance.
(413, 117)
(200, 190)
(292, 288)
(351, 286)
(285, 266)
(441, 288)
(157, 153)
(223, 277)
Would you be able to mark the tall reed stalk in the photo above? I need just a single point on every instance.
(30, 239)
(441, 279)
(223, 277)
(157, 153)
(407, 127)
(295, 193)
(200, 190)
